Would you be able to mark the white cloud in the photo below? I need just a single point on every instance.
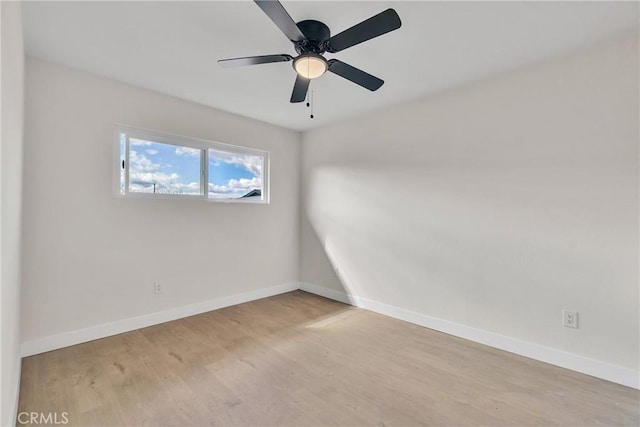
(186, 151)
(251, 163)
(151, 151)
(139, 142)
(139, 162)
(234, 188)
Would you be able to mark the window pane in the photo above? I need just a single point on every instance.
(163, 168)
(234, 175)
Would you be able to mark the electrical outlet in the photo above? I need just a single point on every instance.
(157, 287)
(570, 319)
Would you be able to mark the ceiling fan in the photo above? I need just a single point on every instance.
(311, 39)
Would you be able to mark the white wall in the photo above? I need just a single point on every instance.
(12, 102)
(494, 205)
(91, 258)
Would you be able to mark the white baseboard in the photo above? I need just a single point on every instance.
(329, 293)
(575, 362)
(41, 345)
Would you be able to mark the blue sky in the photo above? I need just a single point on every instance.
(176, 170)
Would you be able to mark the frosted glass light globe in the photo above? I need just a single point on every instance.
(310, 65)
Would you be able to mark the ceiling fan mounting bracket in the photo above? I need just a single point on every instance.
(316, 32)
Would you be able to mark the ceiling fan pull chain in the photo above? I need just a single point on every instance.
(312, 104)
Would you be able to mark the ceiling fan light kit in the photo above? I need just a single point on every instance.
(310, 65)
(311, 39)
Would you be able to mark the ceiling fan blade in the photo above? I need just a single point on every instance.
(375, 26)
(300, 89)
(280, 17)
(254, 60)
(355, 75)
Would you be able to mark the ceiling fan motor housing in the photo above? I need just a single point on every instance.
(317, 33)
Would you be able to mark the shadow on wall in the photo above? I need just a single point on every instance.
(495, 205)
(483, 246)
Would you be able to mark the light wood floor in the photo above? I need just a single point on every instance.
(301, 360)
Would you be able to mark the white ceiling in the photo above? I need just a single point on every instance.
(172, 47)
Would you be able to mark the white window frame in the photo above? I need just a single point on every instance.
(188, 142)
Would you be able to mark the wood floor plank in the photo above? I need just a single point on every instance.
(297, 359)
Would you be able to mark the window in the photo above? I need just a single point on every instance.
(164, 168)
(155, 164)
